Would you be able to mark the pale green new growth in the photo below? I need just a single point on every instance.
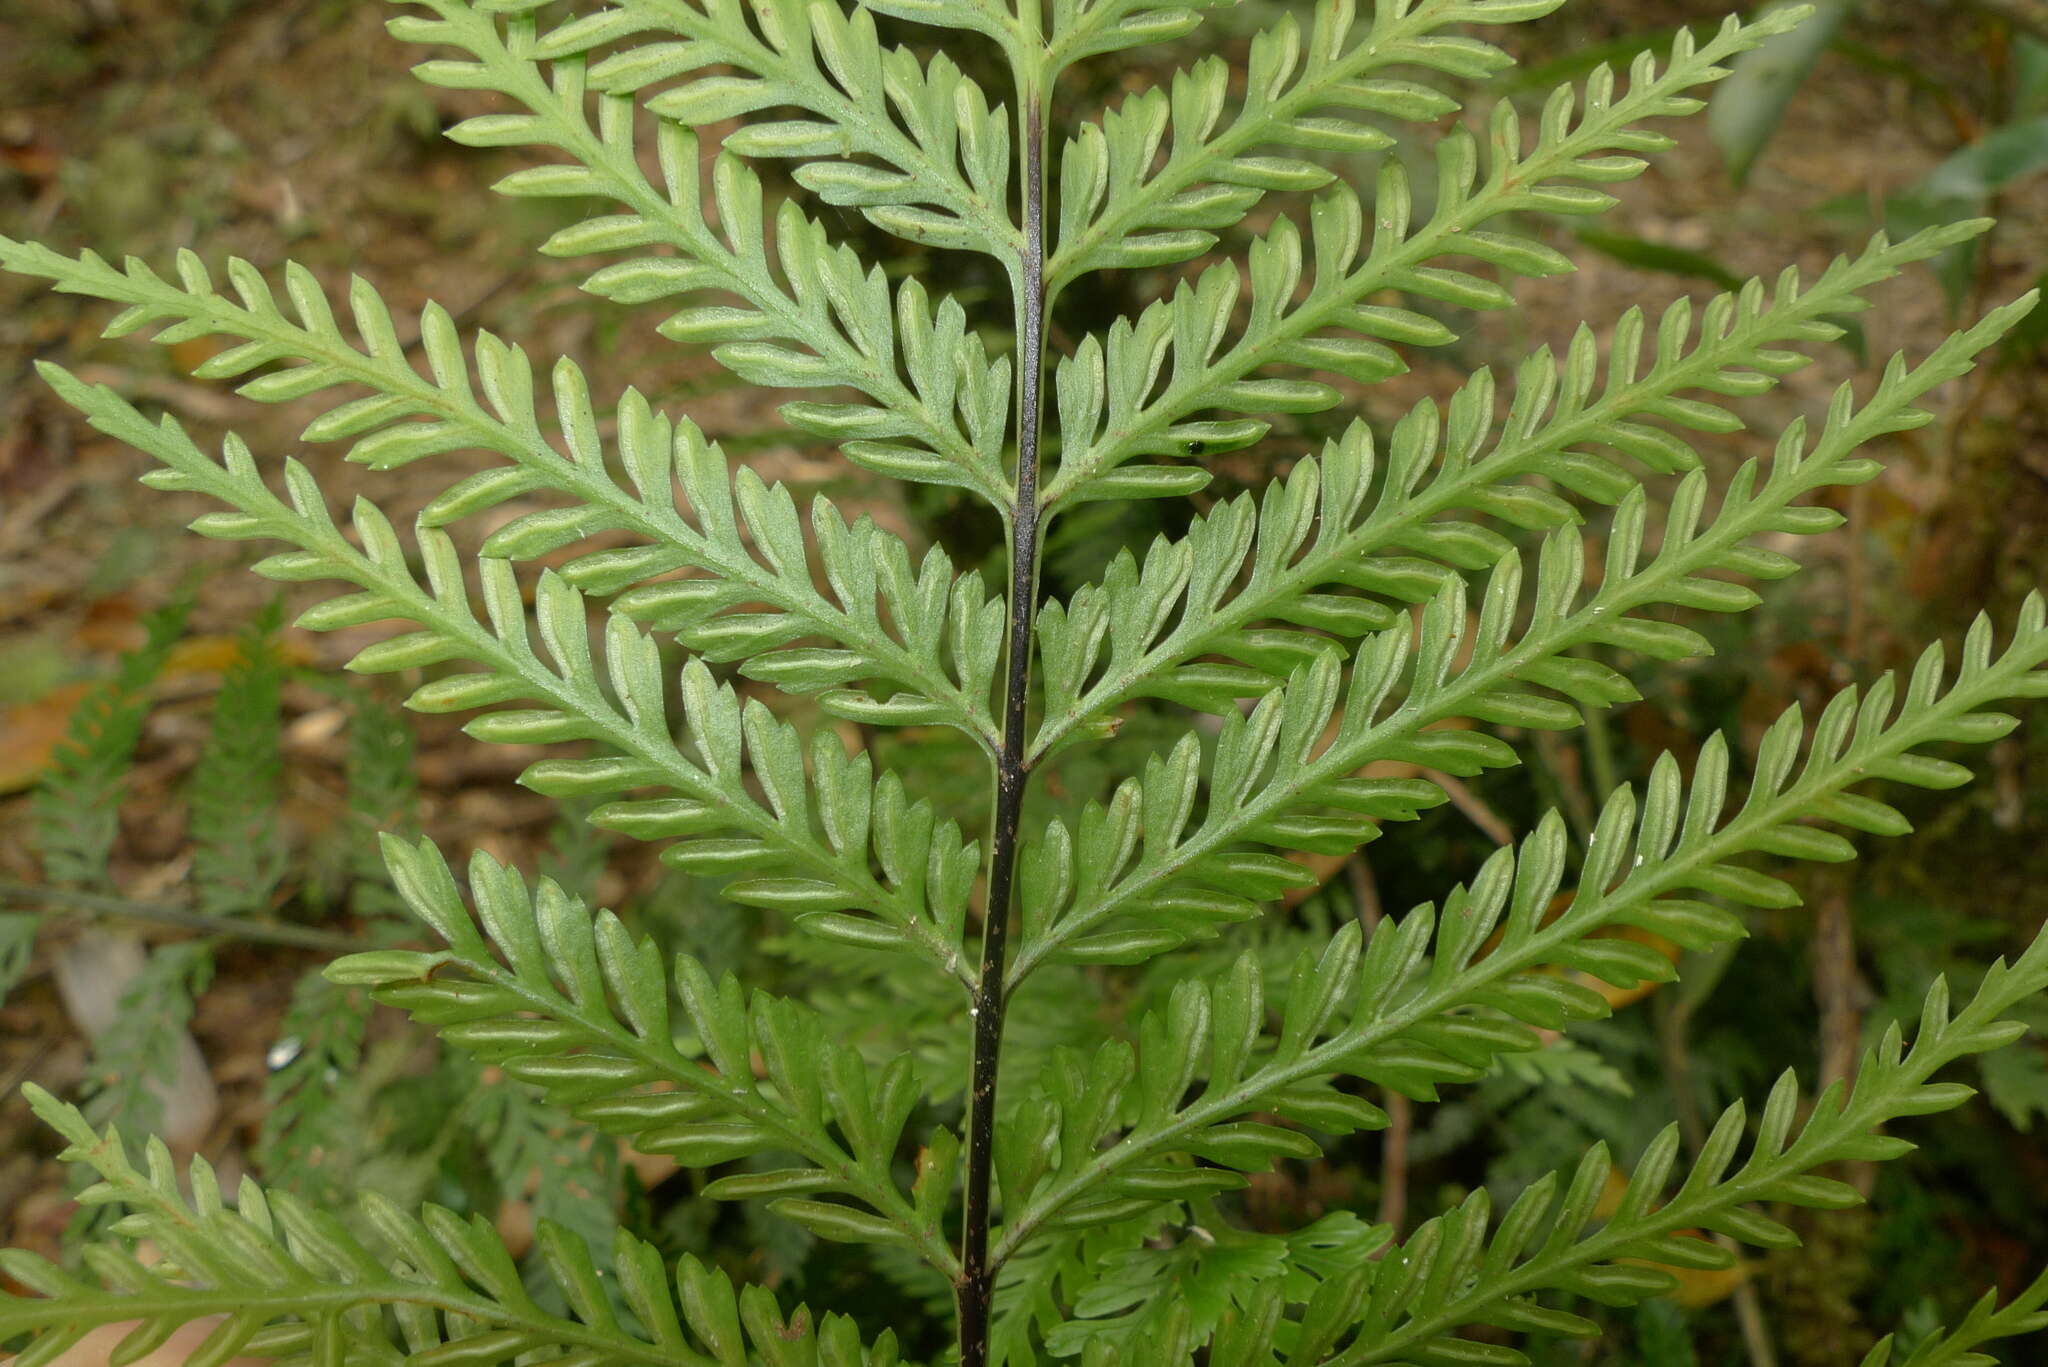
(1399, 580)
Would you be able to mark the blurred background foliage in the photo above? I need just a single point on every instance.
(188, 791)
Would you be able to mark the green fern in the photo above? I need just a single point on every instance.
(238, 854)
(570, 1176)
(17, 943)
(293, 1282)
(137, 1057)
(78, 803)
(312, 1133)
(1400, 598)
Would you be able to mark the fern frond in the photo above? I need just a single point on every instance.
(1462, 1268)
(1283, 776)
(536, 1153)
(582, 1012)
(310, 1135)
(742, 535)
(1254, 582)
(18, 931)
(293, 1282)
(805, 847)
(1450, 1274)
(1987, 1320)
(78, 801)
(1369, 612)
(1122, 205)
(1090, 28)
(944, 425)
(1416, 1019)
(1114, 406)
(238, 852)
(946, 147)
(1157, 1304)
(141, 1056)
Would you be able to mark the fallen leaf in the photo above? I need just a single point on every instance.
(215, 654)
(29, 733)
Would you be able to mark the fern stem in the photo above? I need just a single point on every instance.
(976, 1287)
(120, 908)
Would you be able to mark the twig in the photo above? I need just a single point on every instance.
(1836, 993)
(158, 913)
(1473, 806)
(974, 1291)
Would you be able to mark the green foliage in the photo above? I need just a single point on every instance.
(293, 1282)
(757, 687)
(78, 805)
(138, 1054)
(238, 853)
(17, 943)
(239, 856)
(312, 1135)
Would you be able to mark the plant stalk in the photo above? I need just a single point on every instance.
(975, 1290)
(230, 927)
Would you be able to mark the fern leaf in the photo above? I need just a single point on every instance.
(78, 802)
(294, 1282)
(581, 1011)
(1417, 1019)
(1987, 1320)
(536, 1154)
(1256, 583)
(946, 148)
(805, 847)
(1090, 28)
(1037, 1282)
(1404, 1304)
(943, 425)
(1122, 205)
(1283, 776)
(141, 1055)
(1113, 404)
(311, 1138)
(1422, 1293)
(18, 931)
(1140, 1301)
(238, 853)
(932, 641)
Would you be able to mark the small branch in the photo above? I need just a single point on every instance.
(1839, 994)
(974, 1292)
(1473, 806)
(158, 913)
